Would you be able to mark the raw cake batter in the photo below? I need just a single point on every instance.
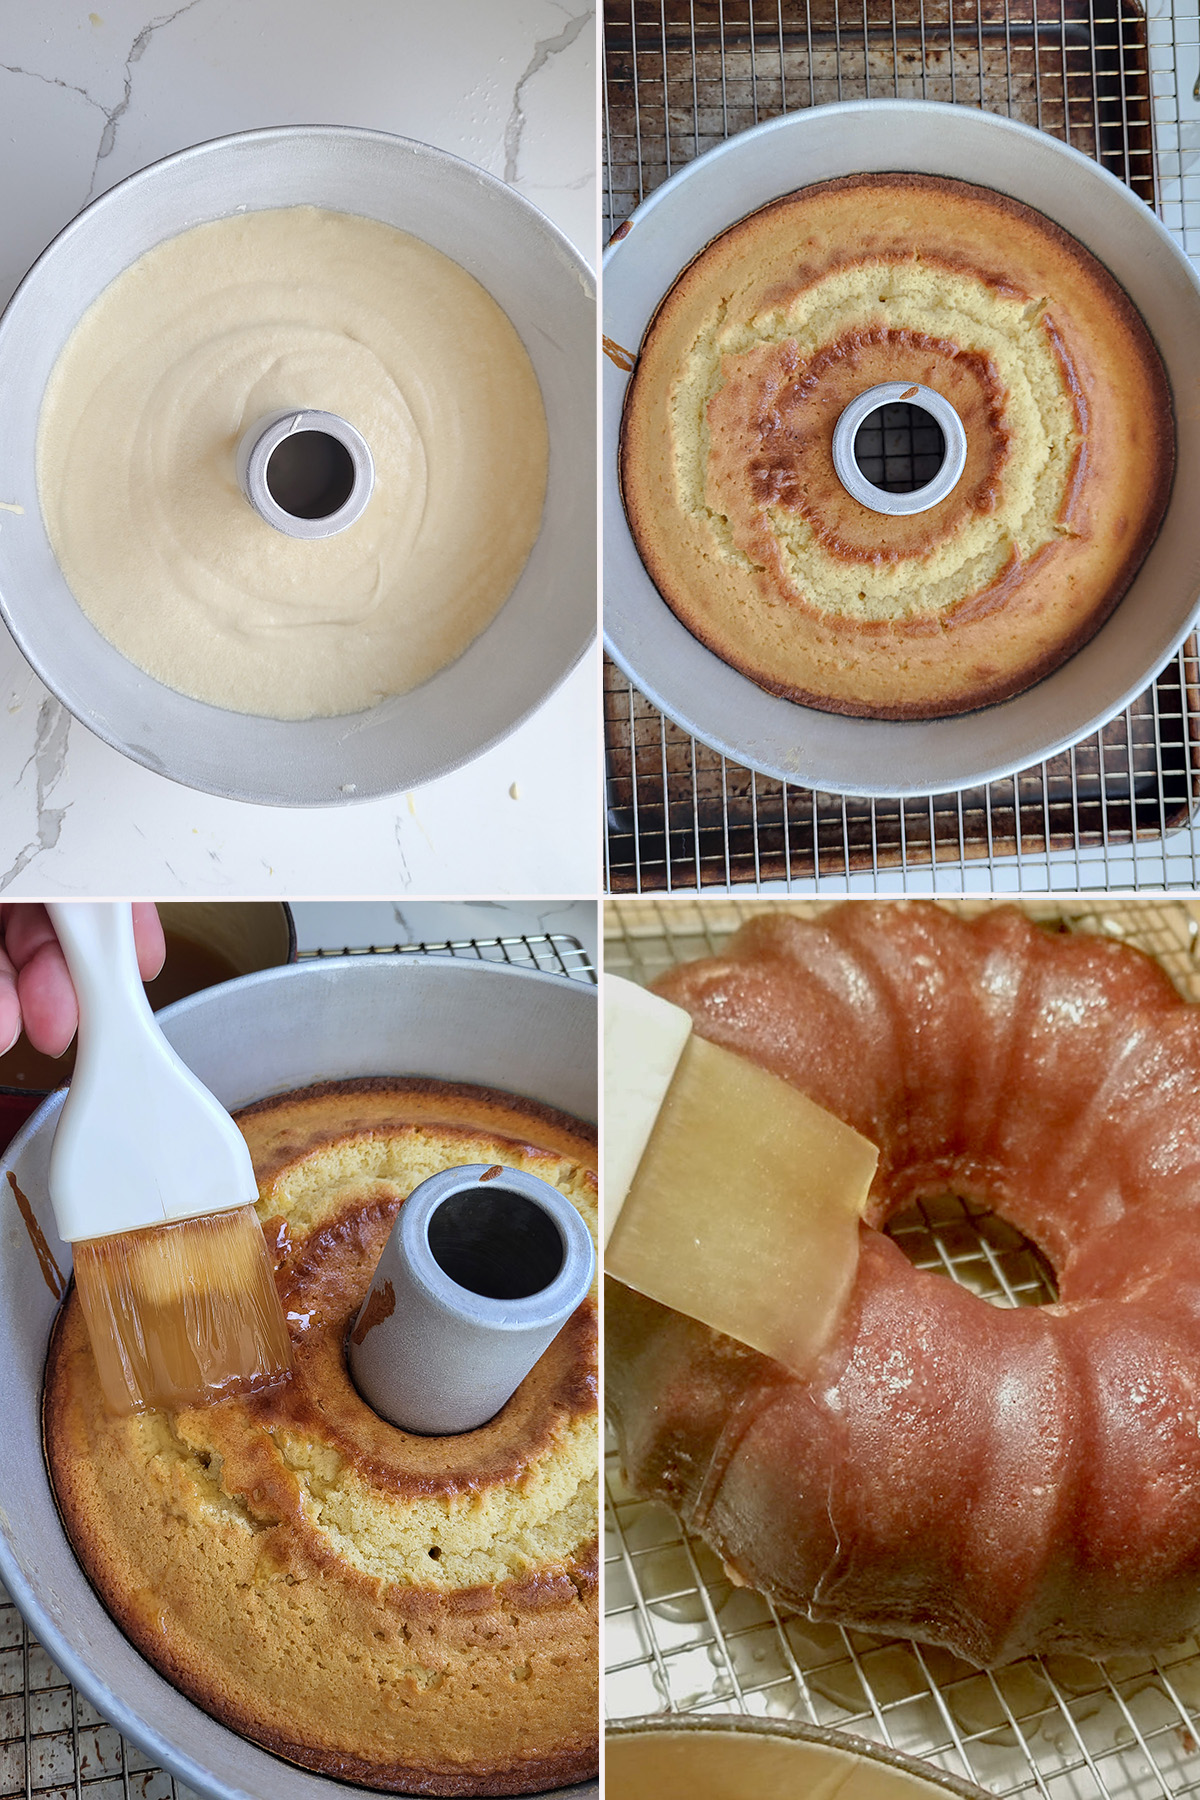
(226, 324)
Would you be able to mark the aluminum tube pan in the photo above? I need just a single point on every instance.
(548, 621)
(437, 1356)
(918, 500)
(874, 756)
(528, 1033)
(265, 437)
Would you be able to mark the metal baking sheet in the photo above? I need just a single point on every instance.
(680, 815)
(724, 708)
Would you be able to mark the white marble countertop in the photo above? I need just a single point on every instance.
(86, 98)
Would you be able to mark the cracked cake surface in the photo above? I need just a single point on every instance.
(726, 457)
(412, 1613)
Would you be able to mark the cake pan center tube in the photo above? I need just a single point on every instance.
(892, 393)
(309, 474)
(482, 1269)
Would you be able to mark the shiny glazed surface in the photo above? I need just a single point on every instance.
(1056, 1078)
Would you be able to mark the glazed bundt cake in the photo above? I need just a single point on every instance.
(412, 1613)
(995, 1481)
(727, 466)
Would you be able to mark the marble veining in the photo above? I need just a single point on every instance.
(543, 50)
(48, 761)
(90, 96)
(112, 117)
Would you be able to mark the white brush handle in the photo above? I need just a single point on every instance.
(644, 1038)
(140, 1140)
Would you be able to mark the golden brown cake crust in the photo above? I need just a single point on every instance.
(1002, 1481)
(726, 463)
(415, 1614)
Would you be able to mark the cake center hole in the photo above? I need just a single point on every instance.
(899, 448)
(495, 1243)
(961, 1239)
(310, 475)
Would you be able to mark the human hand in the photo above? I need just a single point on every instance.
(36, 994)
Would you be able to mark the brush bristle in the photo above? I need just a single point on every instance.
(183, 1313)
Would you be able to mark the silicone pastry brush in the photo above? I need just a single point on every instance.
(728, 1195)
(152, 1183)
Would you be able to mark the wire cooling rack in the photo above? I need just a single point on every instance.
(680, 1638)
(54, 1745)
(554, 952)
(1120, 83)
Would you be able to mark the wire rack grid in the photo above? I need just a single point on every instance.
(680, 1638)
(1119, 82)
(554, 952)
(54, 1745)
